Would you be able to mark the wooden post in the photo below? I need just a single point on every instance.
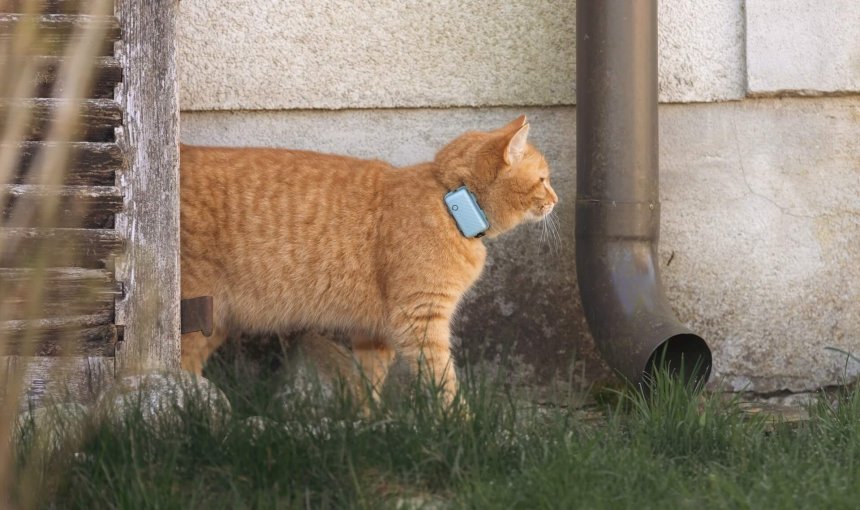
(149, 269)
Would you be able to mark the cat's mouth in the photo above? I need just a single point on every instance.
(546, 210)
(539, 214)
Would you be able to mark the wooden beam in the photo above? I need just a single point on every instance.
(78, 206)
(150, 266)
(67, 292)
(96, 120)
(59, 247)
(90, 163)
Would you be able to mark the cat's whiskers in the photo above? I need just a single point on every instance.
(548, 226)
(551, 226)
(545, 234)
(543, 231)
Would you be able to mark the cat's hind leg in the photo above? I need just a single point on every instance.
(197, 348)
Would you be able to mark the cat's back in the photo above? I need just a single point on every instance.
(242, 181)
(253, 216)
(251, 164)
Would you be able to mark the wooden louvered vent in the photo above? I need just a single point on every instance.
(106, 257)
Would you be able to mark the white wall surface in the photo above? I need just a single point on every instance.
(274, 54)
(808, 46)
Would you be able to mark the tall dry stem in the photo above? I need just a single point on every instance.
(47, 171)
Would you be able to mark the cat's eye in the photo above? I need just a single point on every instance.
(543, 179)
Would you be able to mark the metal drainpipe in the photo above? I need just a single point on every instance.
(617, 195)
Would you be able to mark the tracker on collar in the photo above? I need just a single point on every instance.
(468, 215)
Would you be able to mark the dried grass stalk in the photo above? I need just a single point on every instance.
(47, 169)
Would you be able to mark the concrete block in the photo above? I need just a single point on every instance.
(701, 50)
(333, 54)
(761, 222)
(803, 46)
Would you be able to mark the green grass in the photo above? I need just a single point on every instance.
(673, 449)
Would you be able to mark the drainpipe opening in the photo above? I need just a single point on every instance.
(685, 356)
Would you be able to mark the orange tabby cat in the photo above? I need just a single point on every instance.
(285, 239)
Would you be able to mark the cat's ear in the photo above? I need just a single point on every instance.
(514, 124)
(515, 149)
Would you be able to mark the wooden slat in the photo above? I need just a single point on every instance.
(90, 163)
(97, 118)
(55, 31)
(48, 6)
(107, 73)
(150, 266)
(83, 336)
(79, 206)
(62, 247)
(67, 292)
(56, 323)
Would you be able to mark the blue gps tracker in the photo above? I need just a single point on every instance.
(466, 212)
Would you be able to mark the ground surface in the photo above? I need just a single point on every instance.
(674, 449)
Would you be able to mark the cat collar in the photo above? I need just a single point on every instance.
(464, 208)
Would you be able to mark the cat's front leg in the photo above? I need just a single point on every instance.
(424, 342)
(374, 357)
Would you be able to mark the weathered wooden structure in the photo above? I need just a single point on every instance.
(111, 287)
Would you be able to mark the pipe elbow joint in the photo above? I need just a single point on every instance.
(622, 294)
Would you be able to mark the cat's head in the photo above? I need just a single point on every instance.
(508, 176)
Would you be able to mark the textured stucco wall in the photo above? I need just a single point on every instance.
(272, 54)
(761, 198)
(761, 209)
(761, 206)
(810, 46)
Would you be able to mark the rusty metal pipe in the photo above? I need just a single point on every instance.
(617, 196)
